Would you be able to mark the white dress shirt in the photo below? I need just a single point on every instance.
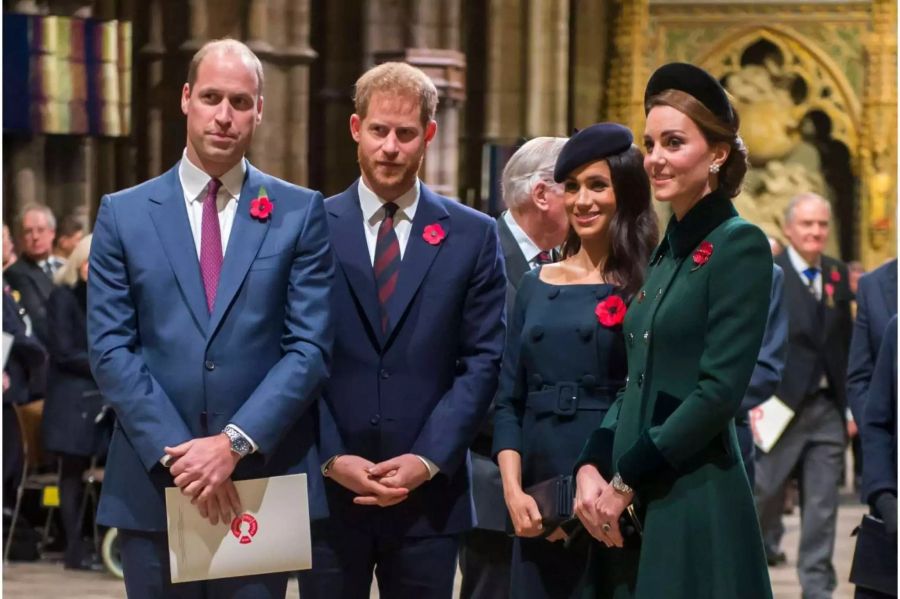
(373, 213)
(194, 183)
(529, 248)
(800, 265)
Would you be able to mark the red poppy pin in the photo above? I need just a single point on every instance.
(701, 254)
(261, 207)
(611, 311)
(434, 234)
(835, 275)
(829, 294)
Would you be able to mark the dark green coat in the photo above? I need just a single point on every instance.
(692, 336)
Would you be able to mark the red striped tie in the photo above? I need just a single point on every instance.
(387, 261)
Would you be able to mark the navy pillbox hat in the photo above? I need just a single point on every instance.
(590, 144)
(694, 81)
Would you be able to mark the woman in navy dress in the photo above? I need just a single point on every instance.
(565, 355)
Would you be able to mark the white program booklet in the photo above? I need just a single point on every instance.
(271, 535)
(768, 421)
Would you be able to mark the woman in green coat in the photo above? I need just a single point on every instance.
(692, 336)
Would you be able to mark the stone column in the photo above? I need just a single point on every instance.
(628, 74)
(547, 75)
(590, 37)
(504, 101)
(878, 152)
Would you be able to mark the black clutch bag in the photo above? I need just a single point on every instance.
(875, 559)
(554, 498)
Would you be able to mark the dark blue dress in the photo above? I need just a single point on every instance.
(560, 374)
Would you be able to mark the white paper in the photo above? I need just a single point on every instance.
(768, 421)
(7, 346)
(272, 534)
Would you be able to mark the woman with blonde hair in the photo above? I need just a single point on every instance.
(73, 400)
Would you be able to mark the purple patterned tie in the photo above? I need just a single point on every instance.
(211, 244)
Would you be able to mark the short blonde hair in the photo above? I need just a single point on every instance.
(397, 78)
(70, 272)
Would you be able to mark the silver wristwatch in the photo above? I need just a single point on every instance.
(619, 485)
(239, 443)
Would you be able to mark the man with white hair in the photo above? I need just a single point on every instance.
(817, 297)
(534, 225)
(32, 274)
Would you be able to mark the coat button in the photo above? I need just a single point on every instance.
(210, 365)
(536, 380)
(374, 420)
(641, 296)
(553, 293)
(659, 293)
(385, 374)
(627, 379)
(585, 333)
(537, 333)
(630, 339)
(588, 380)
(646, 336)
(640, 379)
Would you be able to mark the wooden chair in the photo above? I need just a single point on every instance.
(29, 418)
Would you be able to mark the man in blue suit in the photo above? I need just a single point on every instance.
(420, 290)
(876, 303)
(209, 329)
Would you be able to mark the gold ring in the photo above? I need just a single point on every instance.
(606, 527)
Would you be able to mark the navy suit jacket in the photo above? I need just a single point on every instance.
(876, 303)
(878, 432)
(818, 334)
(425, 385)
(770, 363)
(173, 371)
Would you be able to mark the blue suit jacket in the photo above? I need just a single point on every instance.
(878, 432)
(876, 302)
(425, 385)
(770, 362)
(173, 371)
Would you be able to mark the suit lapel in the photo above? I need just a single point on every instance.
(516, 262)
(888, 285)
(247, 234)
(419, 254)
(348, 239)
(169, 216)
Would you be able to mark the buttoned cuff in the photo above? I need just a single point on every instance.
(253, 446)
(431, 466)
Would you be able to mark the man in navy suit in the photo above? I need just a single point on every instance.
(209, 329)
(767, 373)
(876, 303)
(420, 289)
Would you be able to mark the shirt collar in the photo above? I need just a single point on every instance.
(371, 204)
(684, 235)
(799, 263)
(194, 180)
(529, 248)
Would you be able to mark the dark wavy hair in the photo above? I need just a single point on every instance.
(714, 129)
(633, 231)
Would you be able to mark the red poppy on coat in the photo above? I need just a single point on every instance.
(702, 253)
(611, 311)
(261, 207)
(829, 289)
(835, 276)
(434, 234)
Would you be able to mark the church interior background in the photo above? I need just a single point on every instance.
(91, 91)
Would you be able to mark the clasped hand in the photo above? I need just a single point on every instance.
(598, 505)
(202, 469)
(384, 484)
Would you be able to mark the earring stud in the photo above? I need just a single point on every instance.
(714, 168)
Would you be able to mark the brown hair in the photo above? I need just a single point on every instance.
(633, 231)
(715, 130)
(397, 78)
